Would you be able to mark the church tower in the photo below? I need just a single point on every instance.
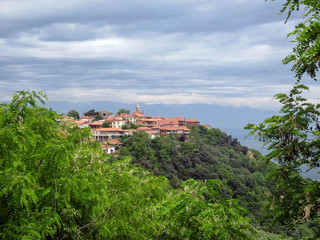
(138, 109)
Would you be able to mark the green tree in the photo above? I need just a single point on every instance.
(293, 137)
(97, 118)
(106, 125)
(125, 126)
(91, 113)
(122, 110)
(73, 113)
(294, 140)
(305, 55)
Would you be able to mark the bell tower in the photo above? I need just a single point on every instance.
(138, 109)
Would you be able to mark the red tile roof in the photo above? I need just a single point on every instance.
(81, 122)
(124, 115)
(192, 120)
(108, 129)
(171, 128)
(143, 129)
(97, 123)
(169, 121)
(150, 119)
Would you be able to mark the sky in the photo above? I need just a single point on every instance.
(219, 52)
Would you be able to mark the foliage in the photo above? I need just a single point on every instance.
(294, 138)
(55, 184)
(306, 54)
(204, 154)
(125, 126)
(106, 125)
(195, 213)
(131, 126)
(73, 113)
(97, 118)
(91, 113)
(122, 110)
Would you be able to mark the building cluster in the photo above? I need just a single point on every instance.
(154, 126)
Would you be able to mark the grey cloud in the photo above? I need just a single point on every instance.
(147, 50)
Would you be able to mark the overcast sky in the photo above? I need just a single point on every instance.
(145, 51)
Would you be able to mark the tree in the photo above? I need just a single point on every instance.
(125, 126)
(122, 110)
(305, 55)
(91, 113)
(294, 136)
(73, 113)
(97, 118)
(106, 125)
(294, 140)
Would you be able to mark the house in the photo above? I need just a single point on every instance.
(181, 121)
(109, 149)
(153, 132)
(104, 134)
(192, 122)
(144, 129)
(129, 118)
(174, 129)
(87, 118)
(82, 123)
(96, 124)
(148, 122)
(166, 122)
(115, 122)
(66, 118)
(113, 142)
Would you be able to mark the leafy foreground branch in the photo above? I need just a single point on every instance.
(55, 184)
(294, 141)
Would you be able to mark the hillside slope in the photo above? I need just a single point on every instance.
(205, 154)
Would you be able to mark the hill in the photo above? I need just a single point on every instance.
(205, 154)
(211, 154)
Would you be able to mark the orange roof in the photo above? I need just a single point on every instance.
(80, 122)
(125, 115)
(138, 114)
(87, 117)
(150, 119)
(64, 116)
(108, 130)
(143, 129)
(180, 118)
(97, 123)
(169, 121)
(175, 128)
(192, 120)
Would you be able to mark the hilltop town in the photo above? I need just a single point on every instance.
(111, 126)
